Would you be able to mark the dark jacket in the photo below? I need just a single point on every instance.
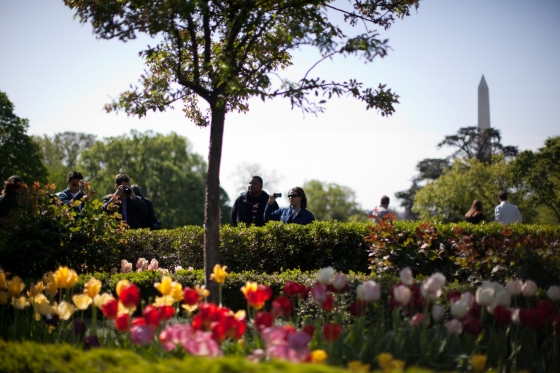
(242, 210)
(135, 209)
(149, 220)
(475, 219)
(66, 197)
(286, 215)
(8, 202)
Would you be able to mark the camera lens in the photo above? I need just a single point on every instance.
(127, 190)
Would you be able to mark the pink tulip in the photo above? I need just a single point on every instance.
(174, 335)
(369, 291)
(339, 282)
(275, 335)
(154, 265)
(406, 276)
(202, 344)
(454, 326)
(401, 294)
(298, 340)
(142, 334)
(319, 293)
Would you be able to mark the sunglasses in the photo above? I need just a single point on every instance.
(293, 195)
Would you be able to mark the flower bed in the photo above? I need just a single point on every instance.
(504, 327)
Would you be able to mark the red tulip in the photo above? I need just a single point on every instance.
(327, 305)
(151, 315)
(138, 321)
(534, 319)
(503, 315)
(473, 326)
(263, 320)
(293, 289)
(331, 331)
(166, 312)
(218, 332)
(281, 307)
(122, 322)
(358, 308)
(309, 330)
(110, 309)
(190, 296)
(257, 297)
(130, 295)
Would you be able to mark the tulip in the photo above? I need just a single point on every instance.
(356, 366)
(190, 296)
(92, 287)
(36, 289)
(503, 298)
(473, 326)
(20, 303)
(15, 287)
(110, 309)
(151, 315)
(325, 274)
(126, 266)
(478, 362)
(502, 314)
(430, 296)
(100, 300)
(369, 291)
(201, 344)
(438, 312)
(130, 295)
(293, 289)
(65, 310)
(122, 322)
(319, 293)
(164, 287)
(154, 265)
(553, 293)
(3, 298)
(485, 296)
(219, 274)
(515, 317)
(3, 283)
(401, 294)
(120, 285)
(165, 312)
(468, 298)
(339, 283)
(454, 326)
(406, 276)
(176, 291)
(256, 294)
(417, 320)
(434, 283)
(82, 301)
(41, 305)
(91, 342)
(318, 356)
(514, 287)
(328, 304)
(142, 334)
(298, 340)
(281, 307)
(141, 265)
(309, 330)
(331, 331)
(173, 335)
(178, 268)
(459, 309)
(65, 278)
(203, 293)
(384, 360)
(529, 289)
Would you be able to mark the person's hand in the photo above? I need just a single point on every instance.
(271, 199)
(82, 186)
(120, 191)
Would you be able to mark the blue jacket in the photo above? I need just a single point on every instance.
(286, 215)
(66, 197)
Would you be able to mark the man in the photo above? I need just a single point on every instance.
(380, 211)
(249, 206)
(149, 220)
(75, 190)
(506, 213)
(125, 202)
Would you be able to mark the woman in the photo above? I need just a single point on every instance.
(476, 214)
(296, 213)
(10, 194)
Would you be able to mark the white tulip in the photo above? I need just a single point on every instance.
(429, 295)
(514, 287)
(515, 318)
(454, 326)
(324, 276)
(485, 296)
(503, 298)
(438, 312)
(529, 289)
(459, 309)
(553, 293)
(435, 282)
(402, 294)
(369, 291)
(468, 298)
(406, 276)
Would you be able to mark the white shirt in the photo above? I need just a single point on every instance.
(378, 213)
(506, 213)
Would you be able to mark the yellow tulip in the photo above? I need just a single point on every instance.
(219, 274)
(3, 297)
(100, 300)
(51, 288)
(36, 289)
(396, 366)
(357, 367)
(41, 305)
(249, 286)
(92, 287)
(3, 282)
(176, 291)
(202, 292)
(240, 315)
(190, 309)
(478, 362)
(164, 287)
(122, 309)
(166, 300)
(20, 303)
(15, 287)
(384, 360)
(120, 285)
(65, 278)
(318, 356)
(82, 301)
(65, 310)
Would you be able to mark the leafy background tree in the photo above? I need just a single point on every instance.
(330, 201)
(61, 154)
(19, 154)
(271, 178)
(540, 172)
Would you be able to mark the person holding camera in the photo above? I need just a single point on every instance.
(296, 213)
(125, 202)
(75, 190)
(249, 206)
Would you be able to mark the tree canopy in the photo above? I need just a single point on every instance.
(330, 201)
(213, 56)
(19, 154)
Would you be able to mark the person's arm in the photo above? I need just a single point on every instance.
(272, 212)
(233, 214)
(63, 198)
(108, 199)
(140, 207)
(498, 213)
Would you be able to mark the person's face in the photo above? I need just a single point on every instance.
(74, 185)
(295, 198)
(255, 187)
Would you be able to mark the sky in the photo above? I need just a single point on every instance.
(59, 76)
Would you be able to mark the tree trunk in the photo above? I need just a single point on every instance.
(212, 203)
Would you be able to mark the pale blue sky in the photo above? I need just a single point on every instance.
(59, 77)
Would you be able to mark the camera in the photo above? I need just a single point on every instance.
(278, 195)
(127, 191)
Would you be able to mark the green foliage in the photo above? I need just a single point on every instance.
(28, 357)
(164, 167)
(450, 196)
(467, 253)
(19, 154)
(61, 154)
(540, 172)
(330, 201)
(43, 234)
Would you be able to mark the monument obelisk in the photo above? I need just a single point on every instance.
(484, 150)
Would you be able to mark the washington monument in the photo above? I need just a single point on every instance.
(484, 148)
